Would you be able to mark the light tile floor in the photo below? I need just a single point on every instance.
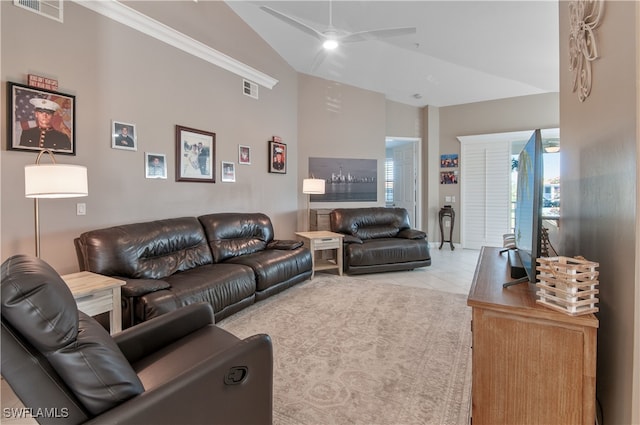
(450, 271)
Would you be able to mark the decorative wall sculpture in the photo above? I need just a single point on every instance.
(584, 17)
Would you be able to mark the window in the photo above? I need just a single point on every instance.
(388, 182)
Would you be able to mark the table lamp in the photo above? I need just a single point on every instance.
(310, 187)
(52, 181)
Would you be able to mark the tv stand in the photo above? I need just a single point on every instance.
(530, 364)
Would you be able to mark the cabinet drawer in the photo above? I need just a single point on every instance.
(327, 243)
(97, 303)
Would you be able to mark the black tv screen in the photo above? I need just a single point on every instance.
(528, 220)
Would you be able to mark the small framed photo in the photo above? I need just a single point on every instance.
(195, 155)
(123, 136)
(449, 160)
(228, 171)
(155, 165)
(244, 155)
(448, 177)
(277, 157)
(40, 119)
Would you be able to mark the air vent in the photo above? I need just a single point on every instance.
(49, 8)
(250, 88)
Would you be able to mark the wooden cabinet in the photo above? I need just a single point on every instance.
(531, 364)
(319, 219)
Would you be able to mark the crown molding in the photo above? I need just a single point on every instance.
(125, 15)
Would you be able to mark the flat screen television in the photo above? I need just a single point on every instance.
(528, 214)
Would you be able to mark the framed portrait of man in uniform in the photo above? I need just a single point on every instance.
(277, 157)
(41, 119)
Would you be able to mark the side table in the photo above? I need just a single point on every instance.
(447, 212)
(321, 241)
(96, 294)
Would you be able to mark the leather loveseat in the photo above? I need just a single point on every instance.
(175, 369)
(379, 240)
(229, 260)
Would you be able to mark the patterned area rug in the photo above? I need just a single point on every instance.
(352, 351)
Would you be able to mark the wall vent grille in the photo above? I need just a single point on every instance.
(250, 88)
(49, 8)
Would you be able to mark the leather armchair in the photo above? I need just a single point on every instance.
(176, 368)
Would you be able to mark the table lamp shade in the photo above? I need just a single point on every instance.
(313, 186)
(55, 181)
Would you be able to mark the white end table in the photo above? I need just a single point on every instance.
(96, 294)
(322, 241)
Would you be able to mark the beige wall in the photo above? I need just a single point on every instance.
(339, 121)
(118, 73)
(498, 116)
(599, 177)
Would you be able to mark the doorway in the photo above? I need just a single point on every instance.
(402, 176)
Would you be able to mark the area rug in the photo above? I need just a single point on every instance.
(352, 351)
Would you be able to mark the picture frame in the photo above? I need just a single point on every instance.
(195, 155)
(228, 171)
(449, 177)
(449, 160)
(277, 157)
(124, 136)
(155, 165)
(244, 155)
(30, 108)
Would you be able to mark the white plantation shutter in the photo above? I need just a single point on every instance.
(485, 168)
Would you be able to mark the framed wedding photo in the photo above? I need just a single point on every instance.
(244, 155)
(155, 165)
(277, 157)
(195, 155)
(40, 119)
(228, 171)
(124, 136)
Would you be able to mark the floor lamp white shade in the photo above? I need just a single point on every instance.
(311, 187)
(53, 181)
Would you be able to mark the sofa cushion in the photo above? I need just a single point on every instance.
(220, 285)
(151, 250)
(369, 223)
(234, 234)
(37, 303)
(274, 266)
(386, 251)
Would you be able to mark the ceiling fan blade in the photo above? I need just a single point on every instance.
(293, 22)
(377, 34)
(319, 58)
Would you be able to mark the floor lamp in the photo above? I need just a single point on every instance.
(311, 187)
(52, 181)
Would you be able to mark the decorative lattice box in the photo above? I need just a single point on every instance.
(567, 285)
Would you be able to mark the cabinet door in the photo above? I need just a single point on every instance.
(526, 370)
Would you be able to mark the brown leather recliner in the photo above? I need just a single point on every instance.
(379, 239)
(178, 368)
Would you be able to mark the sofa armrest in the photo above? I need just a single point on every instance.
(150, 336)
(138, 287)
(411, 234)
(351, 239)
(214, 391)
(284, 244)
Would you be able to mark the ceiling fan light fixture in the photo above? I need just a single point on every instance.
(330, 44)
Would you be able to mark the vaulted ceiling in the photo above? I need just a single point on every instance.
(461, 52)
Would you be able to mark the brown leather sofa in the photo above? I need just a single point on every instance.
(229, 260)
(175, 369)
(379, 239)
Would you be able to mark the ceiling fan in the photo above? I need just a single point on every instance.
(331, 37)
